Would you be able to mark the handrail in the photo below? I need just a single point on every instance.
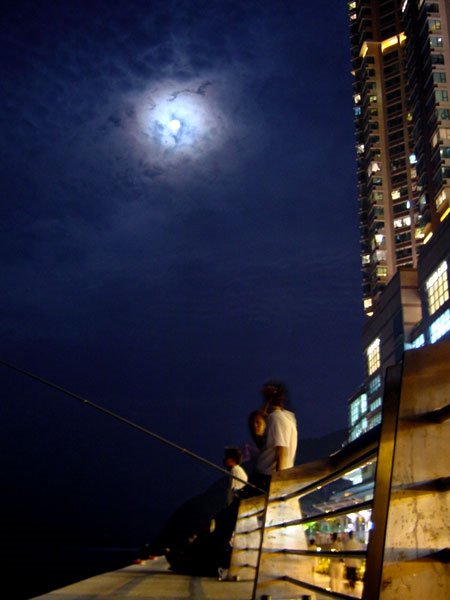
(317, 554)
(329, 515)
(438, 416)
(316, 588)
(287, 565)
(335, 474)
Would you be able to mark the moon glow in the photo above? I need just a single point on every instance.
(174, 125)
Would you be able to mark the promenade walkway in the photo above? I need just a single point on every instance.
(151, 580)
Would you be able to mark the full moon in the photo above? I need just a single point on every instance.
(174, 125)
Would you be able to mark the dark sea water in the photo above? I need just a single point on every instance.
(36, 569)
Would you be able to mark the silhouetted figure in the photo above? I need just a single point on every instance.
(336, 564)
(352, 564)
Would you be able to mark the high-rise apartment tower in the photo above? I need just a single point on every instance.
(401, 67)
(400, 52)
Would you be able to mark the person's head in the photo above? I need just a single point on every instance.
(257, 425)
(232, 457)
(274, 395)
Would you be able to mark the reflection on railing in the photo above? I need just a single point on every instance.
(317, 532)
(247, 539)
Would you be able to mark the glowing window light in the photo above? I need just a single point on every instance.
(440, 327)
(373, 356)
(437, 288)
(417, 343)
(393, 41)
(442, 197)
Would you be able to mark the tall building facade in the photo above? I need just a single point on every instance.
(400, 53)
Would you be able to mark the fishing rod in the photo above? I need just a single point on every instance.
(128, 422)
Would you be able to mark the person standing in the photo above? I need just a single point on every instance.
(232, 461)
(281, 434)
(352, 564)
(336, 564)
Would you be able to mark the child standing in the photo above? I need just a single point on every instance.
(232, 461)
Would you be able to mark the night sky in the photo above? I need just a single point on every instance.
(179, 224)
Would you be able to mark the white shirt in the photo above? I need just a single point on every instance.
(281, 431)
(235, 484)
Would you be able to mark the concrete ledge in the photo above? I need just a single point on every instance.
(151, 580)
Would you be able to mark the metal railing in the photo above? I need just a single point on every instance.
(367, 487)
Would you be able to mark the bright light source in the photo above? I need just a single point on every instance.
(174, 125)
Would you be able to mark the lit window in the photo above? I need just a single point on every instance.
(440, 327)
(436, 41)
(434, 24)
(374, 167)
(437, 288)
(375, 420)
(374, 384)
(381, 272)
(442, 197)
(417, 343)
(357, 408)
(375, 404)
(354, 413)
(402, 222)
(373, 356)
(363, 403)
(395, 194)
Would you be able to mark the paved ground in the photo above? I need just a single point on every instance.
(151, 580)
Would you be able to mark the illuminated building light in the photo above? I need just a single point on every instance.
(373, 356)
(440, 327)
(437, 288)
(417, 343)
(364, 49)
(428, 237)
(445, 214)
(404, 5)
(441, 198)
(393, 41)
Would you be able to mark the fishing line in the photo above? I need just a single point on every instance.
(128, 422)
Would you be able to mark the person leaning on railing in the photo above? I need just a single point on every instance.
(277, 452)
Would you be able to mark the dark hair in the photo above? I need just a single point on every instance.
(233, 453)
(275, 392)
(258, 439)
